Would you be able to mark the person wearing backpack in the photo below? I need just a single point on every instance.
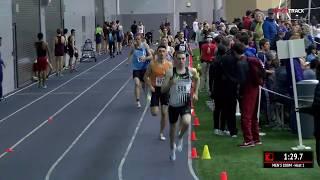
(112, 42)
(249, 92)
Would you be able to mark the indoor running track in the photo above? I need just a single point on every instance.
(95, 133)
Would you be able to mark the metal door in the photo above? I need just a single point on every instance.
(26, 16)
(188, 17)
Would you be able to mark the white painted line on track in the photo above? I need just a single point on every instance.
(52, 168)
(123, 160)
(34, 83)
(46, 94)
(195, 177)
(60, 110)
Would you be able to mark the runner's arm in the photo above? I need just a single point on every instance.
(146, 77)
(47, 48)
(196, 80)
(129, 56)
(168, 81)
(149, 53)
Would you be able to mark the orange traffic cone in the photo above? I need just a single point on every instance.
(9, 150)
(196, 121)
(223, 175)
(50, 119)
(193, 136)
(194, 154)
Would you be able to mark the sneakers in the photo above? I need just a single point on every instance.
(148, 96)
(234, 136)
(227, 133)
(173, 153)
(257, 142)
(218, 132)
(138, 104)
(262, 134)
(162, 138)
(248, 144)
(180, 145)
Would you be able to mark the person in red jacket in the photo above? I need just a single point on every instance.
(247, 20)
(208, 50)
(249, 92)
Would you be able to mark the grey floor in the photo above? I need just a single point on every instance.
(93, 120)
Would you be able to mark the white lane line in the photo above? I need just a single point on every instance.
(60, 110)
(123, 160)
(32, 102)
(15, 92)
(52, 168)
(195, 177)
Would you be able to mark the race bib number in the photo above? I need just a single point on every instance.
(183, 88)
(159, 81)
(182, 48)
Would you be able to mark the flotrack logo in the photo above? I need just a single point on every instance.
(287, 11)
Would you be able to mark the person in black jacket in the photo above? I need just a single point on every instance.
(314, 110)
(216, 90)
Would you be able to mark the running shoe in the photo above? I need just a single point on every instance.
(148, 95)
(218, 132)
(162, 138)
(138, 104)
(180, 145)
(227, 133)
(248, 144)
(173, 153)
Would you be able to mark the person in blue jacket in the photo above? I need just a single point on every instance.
(270, 29)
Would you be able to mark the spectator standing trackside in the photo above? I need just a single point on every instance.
(258, 30)
(112, 42)
(270, 29)
(134, 28)
(247, 21)
(1, 72)
(249, 91)
(71, 49)
(208, 50)
(141, 29)
(234, 73)
(42, 59)
(99, 38)
(120, 37)
(217, 91)
(106, 29)
(65, 35)
(59, 48)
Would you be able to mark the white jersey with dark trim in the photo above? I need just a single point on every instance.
(180, 92)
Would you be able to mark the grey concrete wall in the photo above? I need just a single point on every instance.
(151, 21)
(145, 9)
(7, 45)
